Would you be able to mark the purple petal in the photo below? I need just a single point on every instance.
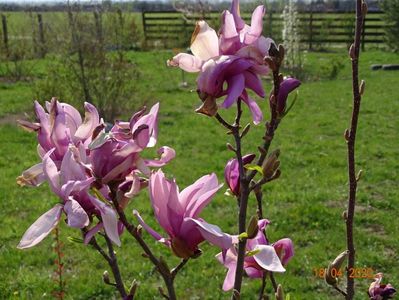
(256, 112)
(256, 25)
(235, 10)
(284, 249)
(72, 117)
(267, 259)
(230, 262)
(109, 219)
(44, 131)
(51, 172)
(213, 234)
(92, 232)
(41, 227)
(77, 217)
(286, 87)
(253, 82)
(236, 85)
(151, 231)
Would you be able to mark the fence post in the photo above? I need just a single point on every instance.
(144, 28)
(311, 28)
(42, 41)
(5, 34)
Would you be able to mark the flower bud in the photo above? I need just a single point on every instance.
(133, 288)
(245, 131)
(281, 52)
(271, 164)
(352, 51)
(364, 8)
(279, 294)
(106, 277)
(347, 134)
(362, 87)
(329, 277)
(252, 229)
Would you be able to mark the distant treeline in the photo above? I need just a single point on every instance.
(138, 6)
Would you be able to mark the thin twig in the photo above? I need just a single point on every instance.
(262, 289)
(339, 290)
(351, 139)
(179, 267)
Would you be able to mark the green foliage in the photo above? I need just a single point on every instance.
(391, 9)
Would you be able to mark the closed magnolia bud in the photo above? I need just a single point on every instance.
(347, 134)
(271, 164)
(230, 147)
(279, 294)
(106, 277)
(352, 51)
(330, 275)
(133, 288)
(270, 62)
(246, 129)
(345, 215)
(362, 87)
(252, 229)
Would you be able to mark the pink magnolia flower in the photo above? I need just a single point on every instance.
(178, 214)
(261, 256)
(71, 184)
(286, 87)
(116, 154)
(235, 59)
(378, 291)
(232, 174)
(56, 129)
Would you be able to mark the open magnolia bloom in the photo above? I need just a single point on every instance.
(178, 214)
(56, 129)
(379, 291)
(71, 185)
(260, 256)
(228, 64)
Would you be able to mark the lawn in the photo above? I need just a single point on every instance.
(305, 204)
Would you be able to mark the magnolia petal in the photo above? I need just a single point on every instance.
(141, 136)
(256, 112)
(33, 176)
(254, 83)
(41, 227)
(166, 153)
(284, 249)
(236, 85)
(92, 232)
(77, 217)
(230, 262)
(235, 10)
(267, 259)
(204, 41)
(186, 62)
(256, 25)
(109, 219)
(213, 234)
(91, 121)
(51, 172)
(151, 231)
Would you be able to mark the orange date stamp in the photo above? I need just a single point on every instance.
(365, 273)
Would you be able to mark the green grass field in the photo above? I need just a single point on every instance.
(305, 204)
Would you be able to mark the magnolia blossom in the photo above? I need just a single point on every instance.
(70, 183)
(260, 256)
(233, 59)
(178, 214)
(56, 129)
(232, 174)
(378, 291)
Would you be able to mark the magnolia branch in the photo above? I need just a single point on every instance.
(361, 10)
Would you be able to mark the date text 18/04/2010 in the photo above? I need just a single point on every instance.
(353, 272)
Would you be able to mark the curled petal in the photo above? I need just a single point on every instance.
(91, 121)
(166, 153)
(41, 228)
(77, 217)
(256, 25)
(204, 41)
(236, 85)
(33, 176)
(256, 112)
(230, 262)
(186, 62)
(267, 259)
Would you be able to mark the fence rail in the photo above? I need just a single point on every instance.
(318, 29)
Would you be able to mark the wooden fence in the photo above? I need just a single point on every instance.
(318, 30)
